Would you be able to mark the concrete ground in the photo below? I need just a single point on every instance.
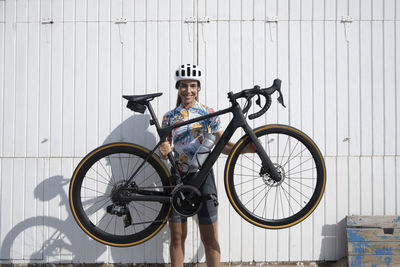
(340, 263)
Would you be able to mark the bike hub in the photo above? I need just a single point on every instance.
(120, 192)
(268, 180)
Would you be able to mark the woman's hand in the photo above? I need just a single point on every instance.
(164, 149)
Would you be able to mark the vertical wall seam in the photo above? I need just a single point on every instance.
(360, 109)
(62, 83)
(169, 54)
(289, 79)
(74, 83)
(348, 113)
(50, 83)
(86, 78)
(372, 112)
(395, 106)
(26, 85)
(98, 76)
(241, 86)
(111, 69)
(134, 47)
(3, 83)
(157, 102)
(122, 33)
(336, 132)
(277, 75)
(325, 117)
(14, 45)
(383, 107)
(230, 84)
(313, 116)
(253, 82)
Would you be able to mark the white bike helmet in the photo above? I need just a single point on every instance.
(188, 72)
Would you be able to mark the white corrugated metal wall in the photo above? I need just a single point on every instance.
(66, 63)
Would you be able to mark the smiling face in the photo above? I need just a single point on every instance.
(188, 91)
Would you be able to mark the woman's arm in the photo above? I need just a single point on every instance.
(250, 148)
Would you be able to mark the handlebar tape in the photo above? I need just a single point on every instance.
(264, 109)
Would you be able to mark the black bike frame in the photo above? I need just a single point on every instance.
(238, 120)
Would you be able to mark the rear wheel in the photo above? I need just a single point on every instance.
(264, 202)
(100, 176)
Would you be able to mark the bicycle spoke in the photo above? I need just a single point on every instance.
(90, 189)
(303, 184)
(273, 214)
(301, 178)
(108, 223)
(280, 195)
(290, 206)
(283, 154)
(252, 189)
(291, 153)
(143, 205)
(297, 191)
(110, 175)
(243, 166)
(244, 155)
(264, 197)
(148, 222)
(252, 180)
(289, 158)
(262, 189)
(105, 179)
(89, 210)
(93, 179)
(288, 174)
(299, 164)
(293, 198)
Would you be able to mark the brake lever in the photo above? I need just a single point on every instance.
(258, 101)
(280, 98)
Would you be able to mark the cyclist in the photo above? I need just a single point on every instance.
(186, 141)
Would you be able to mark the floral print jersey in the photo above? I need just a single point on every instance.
(187, 139)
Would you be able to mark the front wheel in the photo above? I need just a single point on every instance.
(264, 202)
(101, 176)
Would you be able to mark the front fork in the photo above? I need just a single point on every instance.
(267, 165)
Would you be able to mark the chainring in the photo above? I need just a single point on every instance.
(186, 200)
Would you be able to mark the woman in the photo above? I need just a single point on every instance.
(186, 141)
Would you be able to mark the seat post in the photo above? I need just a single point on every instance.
(154, 119)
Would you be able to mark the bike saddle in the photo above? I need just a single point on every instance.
(141, 98)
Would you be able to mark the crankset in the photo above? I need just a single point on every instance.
(186, 200)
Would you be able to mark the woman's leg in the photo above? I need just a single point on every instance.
(209, 237)
(177, 243)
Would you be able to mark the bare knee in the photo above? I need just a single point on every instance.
(178, 234)
(209, 237)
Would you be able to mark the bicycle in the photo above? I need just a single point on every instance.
(277, 187)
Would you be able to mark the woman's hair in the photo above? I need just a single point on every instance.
(179, 100)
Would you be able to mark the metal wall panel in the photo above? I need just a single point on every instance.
(65, 64)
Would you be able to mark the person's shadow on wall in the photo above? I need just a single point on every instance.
(333, 246)
(52, 240)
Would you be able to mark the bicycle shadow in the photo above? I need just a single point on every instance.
(58, 238)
